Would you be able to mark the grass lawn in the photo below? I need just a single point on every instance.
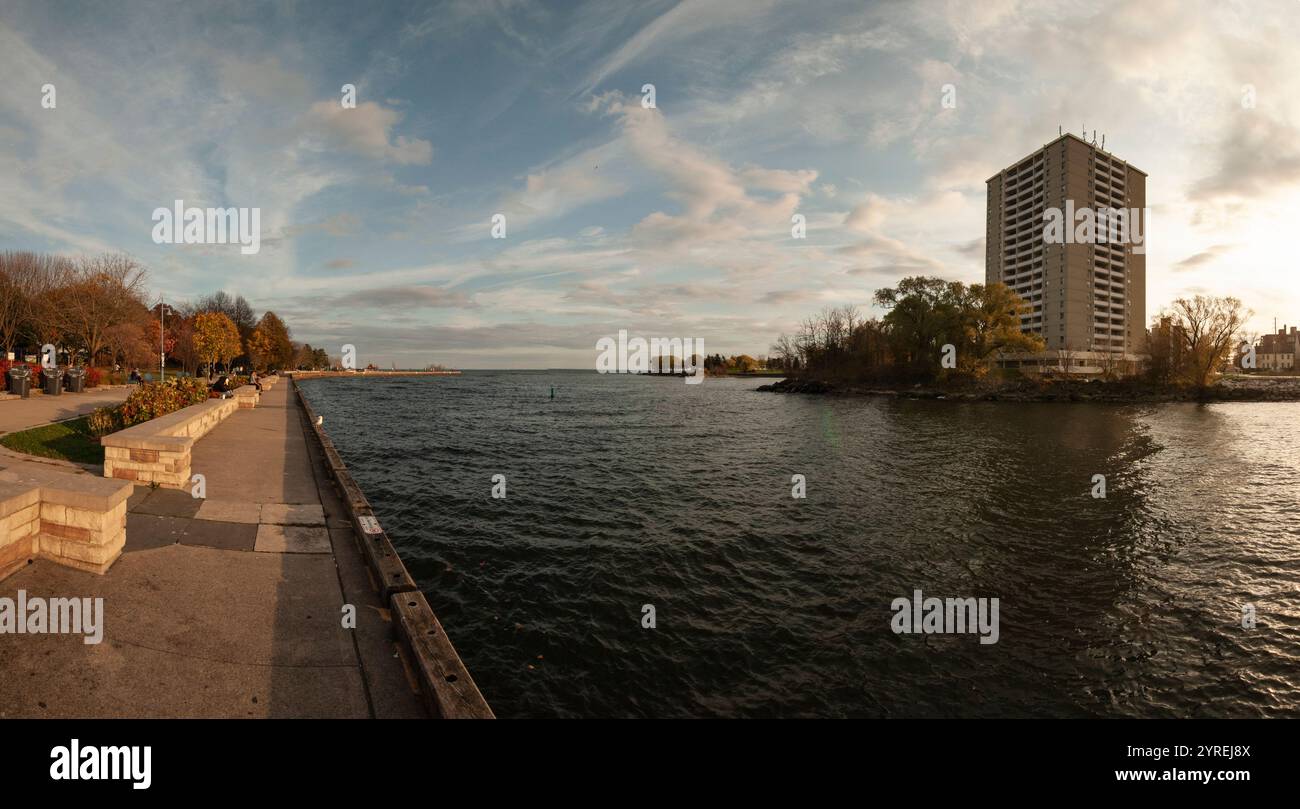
(67, 441)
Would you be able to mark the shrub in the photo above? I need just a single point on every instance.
(93, 377)
(149, 401)
(104, 420)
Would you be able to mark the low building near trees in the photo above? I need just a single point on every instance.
(1277, 352)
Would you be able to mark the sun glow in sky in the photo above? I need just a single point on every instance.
(670, 221)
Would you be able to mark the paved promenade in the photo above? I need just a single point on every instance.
(229, 606)
(20, 414)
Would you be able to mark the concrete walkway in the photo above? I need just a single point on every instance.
(228, 606)
(21, 414)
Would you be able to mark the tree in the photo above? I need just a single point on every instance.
(1207, 329)
(234, 307)
(278, 345)
(45, 287)
(22, 274)
(106, 291)
(922, 317)
(989, 318)
(132, 344)
(259, 348)
(925, 314)
(216, 340)
(181, 324)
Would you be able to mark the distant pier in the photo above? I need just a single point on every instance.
(359, 374)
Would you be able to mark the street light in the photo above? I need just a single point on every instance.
(162, 340)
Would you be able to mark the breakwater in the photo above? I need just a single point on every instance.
(366, 374)
(1128, 391)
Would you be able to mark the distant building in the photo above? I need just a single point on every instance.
(1277, 352)
(1087, 296)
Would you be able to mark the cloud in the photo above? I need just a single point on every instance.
(973, 249)
(784, 296)
(554, 192)
(890, 255)
(868, 215)
(264, 79)
(718, 202)
(367, 131)
(1207, 256)
(1257, 157)
(685, 19)
(404, 297)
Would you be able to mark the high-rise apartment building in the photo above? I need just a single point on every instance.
(1087, 290)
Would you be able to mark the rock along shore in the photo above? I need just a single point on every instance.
(1228, 389)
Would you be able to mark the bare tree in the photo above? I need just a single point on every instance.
(106, 291)
(1209, 328)
(18, 277)
(46, 287)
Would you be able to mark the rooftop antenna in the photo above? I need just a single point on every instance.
(1058, 130)
(1103, 141)
(1094, 137)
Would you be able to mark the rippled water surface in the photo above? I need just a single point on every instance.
(624, 491)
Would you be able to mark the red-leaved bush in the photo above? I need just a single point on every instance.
(149, 401)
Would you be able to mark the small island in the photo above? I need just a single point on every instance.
(945, 340)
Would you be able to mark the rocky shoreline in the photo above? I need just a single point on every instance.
(1228, 389)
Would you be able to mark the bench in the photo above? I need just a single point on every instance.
(73, 519)
(247, 396)
(158, 450)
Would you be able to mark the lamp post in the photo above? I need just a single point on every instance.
(162, 340)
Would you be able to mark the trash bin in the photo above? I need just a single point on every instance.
(74, 380)
(53, 381)
(20, 381)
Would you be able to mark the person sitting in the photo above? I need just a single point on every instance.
(255, 381)
(222, 387)
(135, 376)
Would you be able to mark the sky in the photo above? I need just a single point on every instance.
(673, 220)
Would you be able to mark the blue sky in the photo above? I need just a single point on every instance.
(673, 221)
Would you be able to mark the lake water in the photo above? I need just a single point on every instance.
(630, 491)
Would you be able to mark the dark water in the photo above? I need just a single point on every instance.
(626, 491)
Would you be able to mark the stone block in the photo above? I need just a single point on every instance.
(292, 514)
(292, 539)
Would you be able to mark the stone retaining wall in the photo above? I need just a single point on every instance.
(73, 519)
(158, 451)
